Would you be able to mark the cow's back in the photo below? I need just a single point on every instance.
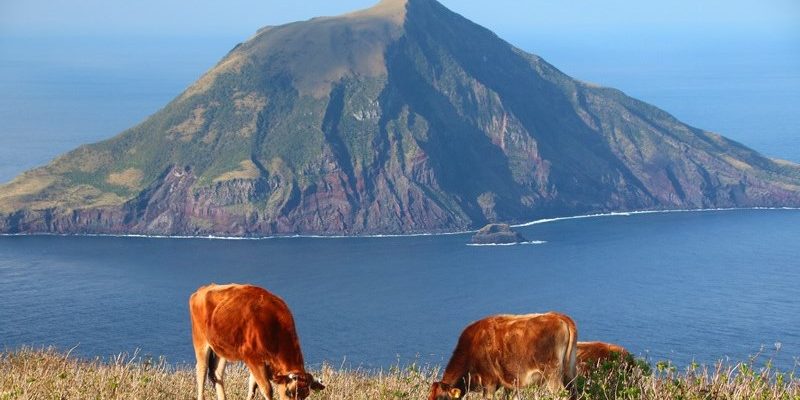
(202, 304)
(239, 321)
(507, 348)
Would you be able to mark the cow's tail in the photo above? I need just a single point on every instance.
(213, 361)
(570, 367)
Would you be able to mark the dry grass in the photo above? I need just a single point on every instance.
(186, 130)
(391, 10)
(247, 170)
(29, 183)
(249, 102)
(47, 374)
(738, 164)
(785, 163)
(232, 63)
(130, 178)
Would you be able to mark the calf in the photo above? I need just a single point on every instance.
(511, 351)
(247, 323)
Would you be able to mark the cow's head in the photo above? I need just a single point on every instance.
(297, 385)
(443, 391)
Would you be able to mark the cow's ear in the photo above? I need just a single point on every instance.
(281, 379)
(455, 393)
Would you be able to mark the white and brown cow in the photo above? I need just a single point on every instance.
(511, 351)
(247, 323)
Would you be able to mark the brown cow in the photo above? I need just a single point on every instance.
(511, 351)
(590, 354)
(247, 323)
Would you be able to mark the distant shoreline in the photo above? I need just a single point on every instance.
(300, 236)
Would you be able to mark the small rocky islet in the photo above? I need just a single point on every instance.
(497, 234)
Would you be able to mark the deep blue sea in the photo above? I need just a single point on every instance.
(679, 286)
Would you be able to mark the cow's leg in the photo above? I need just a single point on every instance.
(554, 384)
(489, 391)
(219, 376)
(258, 372)
(569, 385)
(201, 352)
(512, 394)
(251, 387)
(568, 381)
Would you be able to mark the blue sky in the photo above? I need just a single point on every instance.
(510, 17)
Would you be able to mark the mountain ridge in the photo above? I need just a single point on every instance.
(405, 117)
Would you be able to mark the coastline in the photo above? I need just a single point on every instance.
(368, 236)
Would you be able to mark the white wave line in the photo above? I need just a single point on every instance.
(643, 212)
(506, 244)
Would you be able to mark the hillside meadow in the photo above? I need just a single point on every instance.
(48, 374)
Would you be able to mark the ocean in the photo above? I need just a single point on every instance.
(684, 286)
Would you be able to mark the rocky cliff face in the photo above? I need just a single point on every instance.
(497, 234)
(401, 118)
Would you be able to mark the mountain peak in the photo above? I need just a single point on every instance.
(392, 10)
(395, 11)
(321, 51)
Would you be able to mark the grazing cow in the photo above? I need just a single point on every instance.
(590, 354)
(247, 323)
(511, 351)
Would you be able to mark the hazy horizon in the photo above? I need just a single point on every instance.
(504, 16)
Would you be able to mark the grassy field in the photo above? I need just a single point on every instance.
(48, 374)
